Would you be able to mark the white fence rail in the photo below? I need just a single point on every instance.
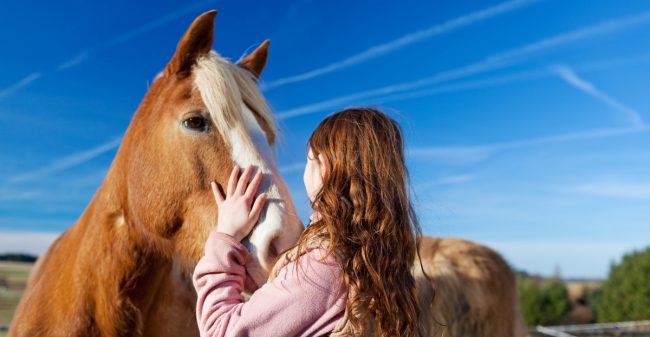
(637, 329)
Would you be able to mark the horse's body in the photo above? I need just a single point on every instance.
(470, 292)
(124, 268)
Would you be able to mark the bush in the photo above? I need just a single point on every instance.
(542, 305)
(592, 299)
(626, 292)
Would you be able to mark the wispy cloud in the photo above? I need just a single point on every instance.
(454, 154)
(74, 61)
(631, 116)
(18, 195)
(27, 80)
(447, 180)
(611, 189)
(602, 28)
(394, 45)
(465, 85)
(476, 153)
(492, 62)
(66, 162)
(83, 55)
(52, 190)
(506, 79)
(130, 35)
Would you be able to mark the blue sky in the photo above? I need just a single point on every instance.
(526, 121)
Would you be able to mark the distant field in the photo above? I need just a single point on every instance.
(13, 278)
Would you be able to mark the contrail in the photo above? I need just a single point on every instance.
(447, 180)
(568, 75)
(85, 54)
(66, 162)
(394, 45)
(475, 153)
(598, 29)
(460, 86)
(493, 62)
(507, 79)
(27, 80)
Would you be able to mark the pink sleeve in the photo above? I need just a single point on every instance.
(306, 302)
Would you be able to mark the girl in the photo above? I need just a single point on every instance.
(349, 273)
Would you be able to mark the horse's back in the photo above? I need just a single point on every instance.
(471, 290)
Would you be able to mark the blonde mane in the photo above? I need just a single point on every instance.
(223, 87)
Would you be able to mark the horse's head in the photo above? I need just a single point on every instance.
(201, 116)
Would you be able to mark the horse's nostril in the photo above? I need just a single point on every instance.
(273, 251)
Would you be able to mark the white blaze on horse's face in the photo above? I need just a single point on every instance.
(227, 90)
(274, 215)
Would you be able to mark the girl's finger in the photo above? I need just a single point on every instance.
(218, 197)
(243, 180)
(257, 207)
(254, 185)
(232, 182)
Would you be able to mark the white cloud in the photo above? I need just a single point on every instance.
(454, 154)
(66, 162)
(25, 81)
(74, 61)
(85, 54)
(476, 153)
(611, 189)
(631, 116)
(391, 46)
(447, 180)
(492, 62)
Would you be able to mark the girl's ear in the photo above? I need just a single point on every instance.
(323, 164)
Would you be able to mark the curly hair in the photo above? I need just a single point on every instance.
(367, 218)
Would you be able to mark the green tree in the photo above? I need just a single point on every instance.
(626, 292)
(542, 305)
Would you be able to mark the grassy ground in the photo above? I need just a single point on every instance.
(13, 278)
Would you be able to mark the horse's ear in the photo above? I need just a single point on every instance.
(256, 60)
(196, 42)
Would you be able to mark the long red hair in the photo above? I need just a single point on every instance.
(367, 218)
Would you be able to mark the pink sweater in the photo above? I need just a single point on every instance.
(310, 302)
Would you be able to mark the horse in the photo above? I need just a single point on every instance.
(465, 289)
(124, 267)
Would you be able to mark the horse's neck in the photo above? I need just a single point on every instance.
(118, 268)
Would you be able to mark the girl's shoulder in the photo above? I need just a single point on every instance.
(314, 253)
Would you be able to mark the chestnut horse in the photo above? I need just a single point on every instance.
(124, 268)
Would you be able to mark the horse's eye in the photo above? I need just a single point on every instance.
(195, 123)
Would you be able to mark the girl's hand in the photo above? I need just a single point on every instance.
(236, 215)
